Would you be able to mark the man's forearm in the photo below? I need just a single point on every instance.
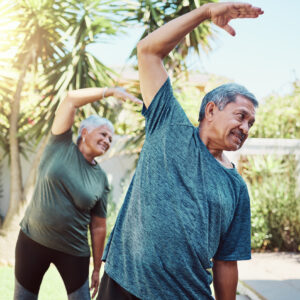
(225, 279)
(163, 40)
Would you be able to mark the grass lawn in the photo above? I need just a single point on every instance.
(52, 285)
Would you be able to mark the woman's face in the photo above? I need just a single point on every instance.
(98, 140)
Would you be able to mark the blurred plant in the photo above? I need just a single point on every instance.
(46, 50)
(275, 208)
(153, 14)
(279, 117)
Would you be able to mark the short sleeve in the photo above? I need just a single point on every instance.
(64, 138)
(100, 208)
(163, 110)
(236, 242)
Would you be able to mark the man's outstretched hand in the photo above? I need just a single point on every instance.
(222, 13)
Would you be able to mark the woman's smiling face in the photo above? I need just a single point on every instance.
(98, 140)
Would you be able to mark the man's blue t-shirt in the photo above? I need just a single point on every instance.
(182, 209)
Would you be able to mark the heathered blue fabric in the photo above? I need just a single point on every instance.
(182, 209)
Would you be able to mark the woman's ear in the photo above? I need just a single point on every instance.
(84, 133)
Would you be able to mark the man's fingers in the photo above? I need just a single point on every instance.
(246, 7)
(229, 29)
(243, 10)
(241, 5)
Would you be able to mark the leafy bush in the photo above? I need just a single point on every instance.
(278, 117)
(275, 208)
(112, 213)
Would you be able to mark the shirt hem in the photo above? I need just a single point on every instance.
(233, 258)
(117, 280)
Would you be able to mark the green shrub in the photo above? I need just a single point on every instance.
(278, 117)
(112, 213)
(275, 208)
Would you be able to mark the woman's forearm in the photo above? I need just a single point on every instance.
(98, 238)
(64, 116)
(88, 95)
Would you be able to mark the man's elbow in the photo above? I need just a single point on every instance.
(147, 50)
(142, 48)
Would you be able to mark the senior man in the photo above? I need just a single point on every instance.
(187, 209)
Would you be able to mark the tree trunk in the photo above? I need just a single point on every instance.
(16, 184)
(9, 236)
(31, 179)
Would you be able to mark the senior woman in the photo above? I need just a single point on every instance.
(70, 195)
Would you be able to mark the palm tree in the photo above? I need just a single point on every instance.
(35, 33)
(52, 50)
(153, 14)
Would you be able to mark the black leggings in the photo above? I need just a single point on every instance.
(111, 290)
(33, 260)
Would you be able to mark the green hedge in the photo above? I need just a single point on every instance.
(278, 117)
(275, 208)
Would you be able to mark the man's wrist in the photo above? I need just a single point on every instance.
(206, 10)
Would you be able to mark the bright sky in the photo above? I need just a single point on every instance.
(264, 55)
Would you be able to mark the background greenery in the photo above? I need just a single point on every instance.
(275, 207)
(275, 197)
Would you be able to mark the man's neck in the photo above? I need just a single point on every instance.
(217, 153)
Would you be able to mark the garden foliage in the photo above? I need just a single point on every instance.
(275, 205)
(272, 180)
(279, 117)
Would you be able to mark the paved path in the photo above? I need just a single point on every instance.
(271, 276)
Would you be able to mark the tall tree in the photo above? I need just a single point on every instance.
(52, 53)
(36, 30)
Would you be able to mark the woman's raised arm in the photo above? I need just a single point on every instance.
(64, 116)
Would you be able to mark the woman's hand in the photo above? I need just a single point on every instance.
(222, 13)
(121, 94)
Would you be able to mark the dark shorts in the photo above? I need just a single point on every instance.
(33, 260)
(110, 290)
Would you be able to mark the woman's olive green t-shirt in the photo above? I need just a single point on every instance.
(68, 190)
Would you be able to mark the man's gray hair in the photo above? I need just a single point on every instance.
(223, 95)
(93, 122)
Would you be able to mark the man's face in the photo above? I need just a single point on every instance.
(232, 124)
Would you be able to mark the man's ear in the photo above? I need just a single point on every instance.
(210, 111)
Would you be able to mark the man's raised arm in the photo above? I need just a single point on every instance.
(152, 49)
